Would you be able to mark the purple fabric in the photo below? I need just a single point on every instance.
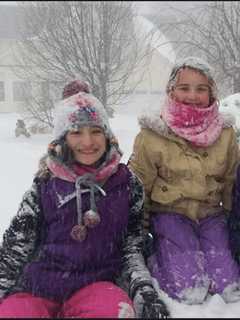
(192, 255)
(221, 268)
(65, 265)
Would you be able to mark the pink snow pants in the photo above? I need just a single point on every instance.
(98, 300)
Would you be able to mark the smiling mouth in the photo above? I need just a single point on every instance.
(87, 152)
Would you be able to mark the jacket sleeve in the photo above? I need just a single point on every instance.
(135, 271)
(19, 240)
(143, 163)
(230, 174)
(234, 219)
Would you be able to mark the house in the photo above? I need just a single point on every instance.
(12, 88)
(151, 90)
(11, 98)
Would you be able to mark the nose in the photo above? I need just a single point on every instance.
(87, 140)
(192, 95)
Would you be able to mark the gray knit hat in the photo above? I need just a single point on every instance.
(194, 63)
(79, 110)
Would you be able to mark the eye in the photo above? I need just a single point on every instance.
(96, 131)
(182, 88)
(75, 133)
(202, 89)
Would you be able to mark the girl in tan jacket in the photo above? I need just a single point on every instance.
(186, 158)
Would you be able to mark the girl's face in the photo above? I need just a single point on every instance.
(191, 88)
(88, 144)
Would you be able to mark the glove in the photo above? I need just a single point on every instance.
(148, 305)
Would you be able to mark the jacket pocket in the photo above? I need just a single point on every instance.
(170, 176)
(165, 193)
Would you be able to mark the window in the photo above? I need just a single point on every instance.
(21, 90)
(2, 91)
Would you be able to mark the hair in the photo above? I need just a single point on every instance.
(197, 65)
(61, 151)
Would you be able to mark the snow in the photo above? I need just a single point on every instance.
(19, 161)
(232, 104)
(196, 63)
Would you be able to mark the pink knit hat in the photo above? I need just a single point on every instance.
(74, 87)
(79, 110)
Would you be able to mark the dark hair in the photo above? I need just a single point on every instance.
(60, 150)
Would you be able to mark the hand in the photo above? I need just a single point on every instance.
(148, 305)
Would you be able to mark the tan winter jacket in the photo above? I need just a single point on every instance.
(178, 177)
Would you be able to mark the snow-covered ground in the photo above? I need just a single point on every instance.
(232, 104)
(19, 161)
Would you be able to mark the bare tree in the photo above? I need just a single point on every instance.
(96, 41)
(211, 31)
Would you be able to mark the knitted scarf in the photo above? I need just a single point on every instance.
(85, 177)
(200, 126)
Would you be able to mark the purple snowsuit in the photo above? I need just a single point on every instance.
(43, 266)
(192, 259)
(64, 265)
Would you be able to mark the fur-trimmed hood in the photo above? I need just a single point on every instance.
(154, 122)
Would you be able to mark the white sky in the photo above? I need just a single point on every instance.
(19, 160)
(12, 3)
(148, 7)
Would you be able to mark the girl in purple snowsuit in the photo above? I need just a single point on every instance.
(186, 158)
(77, 235)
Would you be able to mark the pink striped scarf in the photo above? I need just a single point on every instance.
(200, 126)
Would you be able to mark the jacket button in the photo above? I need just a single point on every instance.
(205, 154)
(164, 189)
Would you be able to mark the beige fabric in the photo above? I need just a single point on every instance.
(196, 182)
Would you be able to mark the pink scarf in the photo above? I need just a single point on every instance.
(200, 126)
(100, 174)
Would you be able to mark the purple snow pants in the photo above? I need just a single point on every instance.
(191, 255)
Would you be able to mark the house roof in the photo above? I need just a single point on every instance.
(158, 41)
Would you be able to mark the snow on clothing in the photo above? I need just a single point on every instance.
(185, 183)
(65, 265)
(78, 229)
(53, 265)
(180, 185)
(194, 63)
(80, 110)
(193, 258)
(200, 126)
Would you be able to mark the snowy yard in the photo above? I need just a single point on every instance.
(19, 161)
